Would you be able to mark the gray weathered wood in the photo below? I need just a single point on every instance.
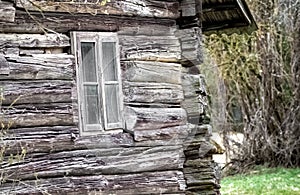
(28, 115)
(193, 106)
(35, 40)
(4, 66)
(7, 12)
(41, 66)
(191, 45)
(155, 48)
(144, 8)
(152, 92)
(171, 135)
(44, 140)
(37, 91)
(107, 161)
(127, 184)
(153, 118)
(188, 8)
(65, 22)
(148, 71)
(193, 85)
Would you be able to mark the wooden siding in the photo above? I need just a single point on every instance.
(164, 147)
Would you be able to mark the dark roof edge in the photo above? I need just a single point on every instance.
(239, 30)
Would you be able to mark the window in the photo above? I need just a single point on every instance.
(98, 81)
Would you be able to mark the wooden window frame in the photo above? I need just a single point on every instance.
(98, 38)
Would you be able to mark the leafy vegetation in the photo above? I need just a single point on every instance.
(260, 78)
(274, 181)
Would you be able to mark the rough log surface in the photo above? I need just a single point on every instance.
(158, 72)
(40, 67)
(154, 48)
(191, 45)
(104, 161)
(34, 40)
(166, 182)
(4, 67)
(152, 92)
(64, 23)
(153, 118)
(144, 8)
(35, 115)
(37, 92)
(7, 12)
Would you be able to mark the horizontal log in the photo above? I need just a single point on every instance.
(34, 115)
(191, 44)
(40, 66)
(37, 133)
(152, 92)
(34, 40)
(144, 8)
(51, 139)
(4, 67)
(147, 30)
(193, 107)
(7, 12)
(172, 135)
(37, 92)
(193, 85)
(166, 182)
(147, 71)
(158, 48)
(66, 22)
(107, 161)
(153, 118)
(188, 8)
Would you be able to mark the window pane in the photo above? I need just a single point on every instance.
(88, 62)
(91, 104)
(109, 61)
(112, 103)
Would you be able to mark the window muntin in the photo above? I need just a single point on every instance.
(98, 81)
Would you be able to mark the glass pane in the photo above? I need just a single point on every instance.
(88, 62)
(112, 104)
(91, 104)
(109, 61)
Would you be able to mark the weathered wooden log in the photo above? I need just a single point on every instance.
(172, 135)
(40, 66)
(34, 115)
(45, 140)
(155, 48)
(148, 30)
(37, 92)
(191, 45)
(40, 133)
(128, 184)
(144, 8)
(147, 71)
(188, 8)
(66, 22)
(4, 67)
(193, 107)
(152, 92)
(35, 40)
(193, 85)
(107, 161)
(153, 118)
(7, 12)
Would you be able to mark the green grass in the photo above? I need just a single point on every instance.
(263, 181)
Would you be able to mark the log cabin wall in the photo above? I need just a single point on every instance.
(164, 148)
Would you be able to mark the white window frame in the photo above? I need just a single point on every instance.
(98, 38)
